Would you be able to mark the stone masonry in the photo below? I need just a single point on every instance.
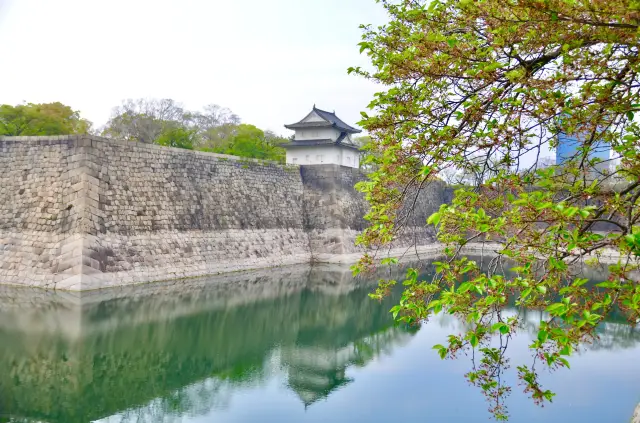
(83, 212)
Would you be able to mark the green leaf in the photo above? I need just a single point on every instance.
(464, 287)
(556, 308)
(389, 261)
(543, 335)
(442, 350)
(436, 305)
(395, 310)
(434, 219)
(502, 327)
(473, 340)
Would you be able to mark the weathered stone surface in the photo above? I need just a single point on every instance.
(82, 212)
(334, 211)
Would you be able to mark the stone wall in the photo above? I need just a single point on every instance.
(81, 212)
(334, 211)
(169, 213)
(41, 209)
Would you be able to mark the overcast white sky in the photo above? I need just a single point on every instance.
(268, 61)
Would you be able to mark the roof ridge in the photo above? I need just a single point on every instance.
(329, 118)
(324, 111)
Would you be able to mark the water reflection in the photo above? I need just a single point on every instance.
(174, 352)
(68, 359)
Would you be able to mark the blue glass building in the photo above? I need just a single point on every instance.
(568, 147)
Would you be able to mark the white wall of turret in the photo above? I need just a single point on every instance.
(316, 134)
(323, 154)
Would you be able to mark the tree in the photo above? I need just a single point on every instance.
(216, 129)
(480, 169)
(41, 119)
(215, 125)
(274, 139)
(144, 120)
(178, 137)
(362, 140)
(159, 121)
(501, 80)
(250, 141)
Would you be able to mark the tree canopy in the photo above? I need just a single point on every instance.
(250, 141)
(215, 129)
(486, 88)
(41, 119)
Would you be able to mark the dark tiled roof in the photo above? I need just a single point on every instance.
(330, 120)
(305, 143)
(324, 124)
(336, 121)
(308, 143)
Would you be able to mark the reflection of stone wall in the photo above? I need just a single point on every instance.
(125, 349)
(81, 212)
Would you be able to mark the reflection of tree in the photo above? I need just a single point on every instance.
(616, 336)
(150, 358)
(158, 352)
(489, 356)
(613, 333)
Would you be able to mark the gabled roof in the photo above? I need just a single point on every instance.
(330, 120)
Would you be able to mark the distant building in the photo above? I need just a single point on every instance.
(568, 146)
(322, 138)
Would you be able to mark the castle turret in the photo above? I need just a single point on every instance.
(323, 138)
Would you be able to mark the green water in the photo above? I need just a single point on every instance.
(288, 345)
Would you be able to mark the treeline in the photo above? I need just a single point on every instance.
(163, 122)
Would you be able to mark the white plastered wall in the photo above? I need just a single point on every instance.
(317, 134)
(323, 154)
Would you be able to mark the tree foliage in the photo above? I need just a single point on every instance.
(178, 137)
(250, 141)
(41, 119)
(145, 120)
(485, 88)
(215, 129)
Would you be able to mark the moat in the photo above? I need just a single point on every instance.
(296, 344)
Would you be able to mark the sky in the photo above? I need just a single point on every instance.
(267, 61)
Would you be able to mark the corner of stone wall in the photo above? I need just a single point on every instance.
(51, 192)
(333, 209)
(85, 271)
